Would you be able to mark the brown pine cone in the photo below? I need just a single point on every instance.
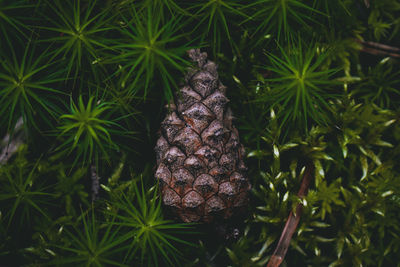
(200, 164)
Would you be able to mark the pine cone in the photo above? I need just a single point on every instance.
(200, 165)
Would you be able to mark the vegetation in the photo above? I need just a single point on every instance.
(309, 82)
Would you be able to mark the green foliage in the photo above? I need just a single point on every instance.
(8, 17)
(380, 84)
(25, 202)
(240, 253)
(214, 20)
(169, 7)
(281, 17)
(345, 197)
(90, 243)
(153, 237)
(26, 87)
(76, 33)
(383, 17)
(70, 189)
(23, 194)
(150, 47)
(299, 86)
(84, 129)
(305, 79)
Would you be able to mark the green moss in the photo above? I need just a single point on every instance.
(308, 81)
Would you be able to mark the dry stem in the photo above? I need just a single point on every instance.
(292, 221)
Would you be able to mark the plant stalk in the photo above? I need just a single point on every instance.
(377, 49)
(11, 143)
(95, 182)
(292, 221)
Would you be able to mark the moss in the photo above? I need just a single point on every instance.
(308, 81)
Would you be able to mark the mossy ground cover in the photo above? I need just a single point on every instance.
(83, 90)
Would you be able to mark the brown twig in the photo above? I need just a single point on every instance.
(382, 46)
(292, 221)
(95, 182)
(10, 144)
(377, 49)
(377, 52)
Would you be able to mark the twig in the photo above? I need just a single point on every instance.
(377, 52)
(11, 146)
(292, 221)
(9, 150)
(95, 182)
(382, 46)
(374, 48)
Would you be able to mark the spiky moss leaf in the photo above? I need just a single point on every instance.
(26, 201)
(299, 89)
(170, 8)
(240, 253)
(383, 19)
(280, 18)
(11, 19)
(349, 11)
(27, 87)
(90, 242)
(23, 193)
(215, 21)
(150, 50)
(153, 239)
(87, 130)
(77, 30)
(70, 189)
(380, 84)
(343, 50)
